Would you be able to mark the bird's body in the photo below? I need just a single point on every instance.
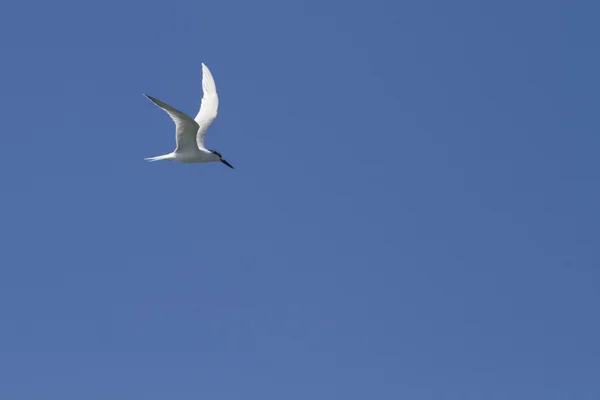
(189, 156)
(190, 132)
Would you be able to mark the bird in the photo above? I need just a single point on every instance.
(190, 133)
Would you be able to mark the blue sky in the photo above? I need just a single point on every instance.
(413, 213)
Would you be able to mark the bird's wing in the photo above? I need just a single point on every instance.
(209, 106)
(186, 127)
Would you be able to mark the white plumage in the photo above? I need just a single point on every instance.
(190, 133)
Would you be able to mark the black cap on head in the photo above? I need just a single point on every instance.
(221, 157)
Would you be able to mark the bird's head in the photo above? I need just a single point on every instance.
(216, 153)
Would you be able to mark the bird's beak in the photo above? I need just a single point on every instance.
(226, 163)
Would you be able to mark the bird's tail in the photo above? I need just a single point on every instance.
(158, 158)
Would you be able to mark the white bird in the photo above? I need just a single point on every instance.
(190, 133)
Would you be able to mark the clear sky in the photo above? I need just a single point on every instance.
(413, 213)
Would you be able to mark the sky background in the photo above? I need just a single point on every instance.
(413, 213)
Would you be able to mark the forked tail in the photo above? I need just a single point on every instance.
(158, 158)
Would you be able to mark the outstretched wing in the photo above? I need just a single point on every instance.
(186, 127)
(209, 106)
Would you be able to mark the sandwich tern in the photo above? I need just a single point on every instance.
(190, 133)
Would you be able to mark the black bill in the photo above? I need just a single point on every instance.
(226, 163)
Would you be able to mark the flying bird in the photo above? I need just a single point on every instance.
(190, 133)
